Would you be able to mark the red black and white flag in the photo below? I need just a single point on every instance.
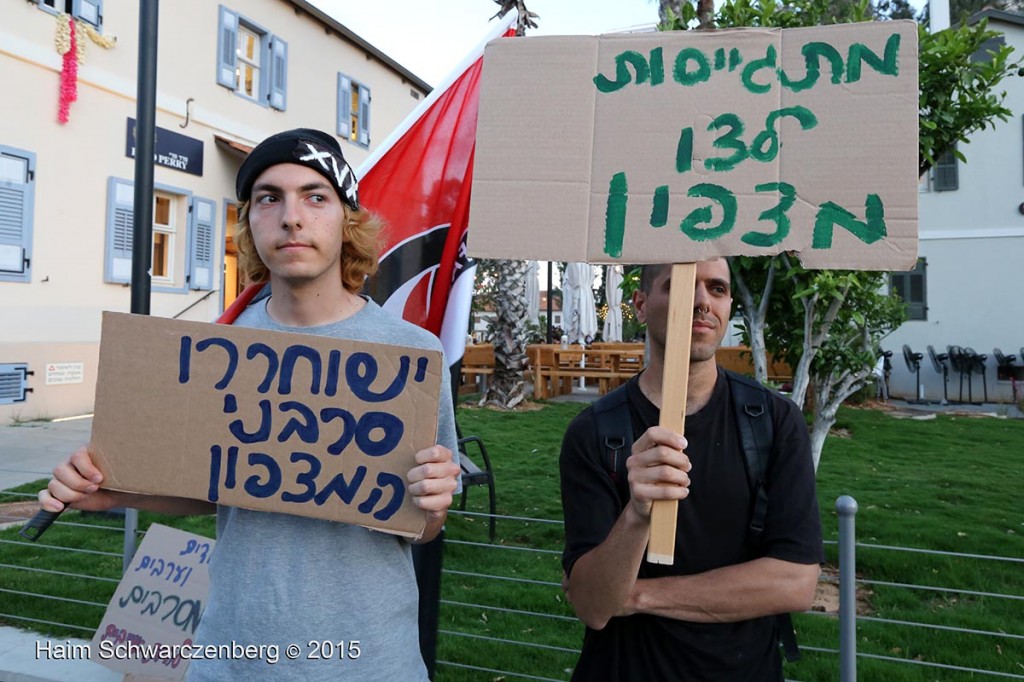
(418, 181)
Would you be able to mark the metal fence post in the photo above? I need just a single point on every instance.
(847, 508)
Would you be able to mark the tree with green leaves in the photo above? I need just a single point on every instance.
(829, 324)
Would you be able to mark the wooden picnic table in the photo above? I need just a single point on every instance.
(554, 367)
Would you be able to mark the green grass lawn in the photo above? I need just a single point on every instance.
(949, 484)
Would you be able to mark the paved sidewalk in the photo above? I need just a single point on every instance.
(30, 450)
(31, 657)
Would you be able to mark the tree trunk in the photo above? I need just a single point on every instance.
(829, 393)
(754, 315)
(706, 13)
(506, 388)
(820, 427)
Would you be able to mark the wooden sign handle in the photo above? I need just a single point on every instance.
(661, 546)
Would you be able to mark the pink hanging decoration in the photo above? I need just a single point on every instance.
(68, 78)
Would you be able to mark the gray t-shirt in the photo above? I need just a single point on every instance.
(278, 579)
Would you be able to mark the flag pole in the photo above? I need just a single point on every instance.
(498, 30)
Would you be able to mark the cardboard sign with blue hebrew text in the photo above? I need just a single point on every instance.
(683, 145)
(292, 423)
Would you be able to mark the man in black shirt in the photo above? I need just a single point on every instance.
(708, 616)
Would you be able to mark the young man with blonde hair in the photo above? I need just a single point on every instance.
(278, 579)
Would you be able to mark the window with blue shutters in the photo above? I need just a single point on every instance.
(13, 383)
(201, 268)
(89, 11)
(120, 211)
(278, 73)
(911, 288)
(184, 235)
(17, 193)
(353, 111)
(251, 60)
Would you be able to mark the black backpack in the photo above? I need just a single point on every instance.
(753, 412)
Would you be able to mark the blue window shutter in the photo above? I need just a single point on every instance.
(17, 206)
(364, 115)
(344, 106)
(227, 35)
(278, 73)
(13, 383)
(201, 230)
(120, 215)
(89, 11)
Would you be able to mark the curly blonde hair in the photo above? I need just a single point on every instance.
(361, 242)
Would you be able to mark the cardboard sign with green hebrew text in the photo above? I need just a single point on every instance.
(680, 146)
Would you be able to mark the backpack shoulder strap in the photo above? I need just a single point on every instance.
(615, 436)
(753, 410)
(754, 421)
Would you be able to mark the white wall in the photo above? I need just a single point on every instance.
(973, 240)
(55, 317)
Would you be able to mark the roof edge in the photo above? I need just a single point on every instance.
(997, 15)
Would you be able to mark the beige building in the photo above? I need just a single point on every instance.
(228, 76)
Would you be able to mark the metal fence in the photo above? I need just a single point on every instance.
(503, 614)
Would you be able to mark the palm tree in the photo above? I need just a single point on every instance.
(506, 389)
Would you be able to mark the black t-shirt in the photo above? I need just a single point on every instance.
(711, 532)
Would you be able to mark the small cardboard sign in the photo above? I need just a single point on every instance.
(679, 146)
(150, 623)
(274, 421)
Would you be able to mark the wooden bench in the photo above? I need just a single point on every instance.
(477, 366)
(739, 360)
(605, 378)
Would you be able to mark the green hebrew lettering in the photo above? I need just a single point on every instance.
(615, 215)
(776, 214)
(719, 59)
(720, 195)
(735, 59)
(813, 52)
(830, 215)
(684, 150)
(685, 77)
(887, 66)
(768, 62)
(730, 140)
(659, 208)
(770, 135)
(622, 75)
(657, 67)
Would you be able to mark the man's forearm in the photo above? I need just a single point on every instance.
(756, 588)
(602, 579)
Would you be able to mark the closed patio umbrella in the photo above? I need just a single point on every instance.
(532, 292)
(579, 314)
(612, 330)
